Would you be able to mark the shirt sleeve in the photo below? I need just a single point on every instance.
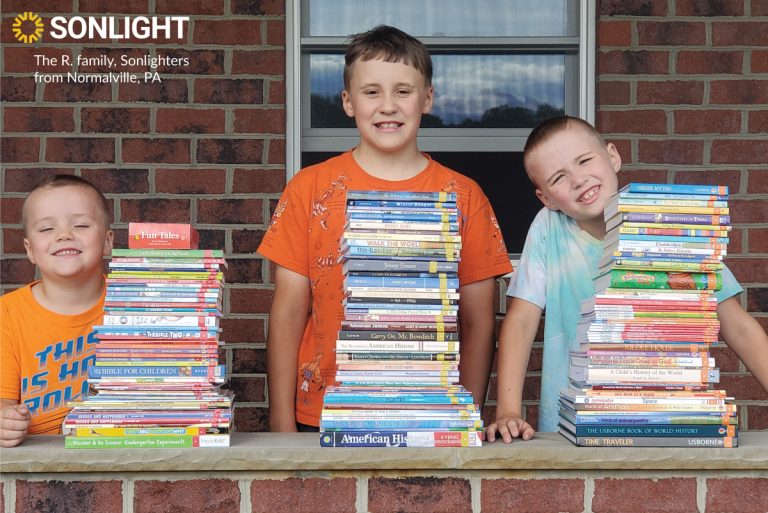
(731, 286)
(10, 369)
(529, 281)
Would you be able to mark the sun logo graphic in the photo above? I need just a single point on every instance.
(27, 27)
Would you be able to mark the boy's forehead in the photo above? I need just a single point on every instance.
(380, 59)
(74, 196)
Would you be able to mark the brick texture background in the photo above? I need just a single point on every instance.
(682, 88)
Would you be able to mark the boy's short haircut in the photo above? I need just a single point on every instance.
(553, 126)
(53, 181)
(391, 45)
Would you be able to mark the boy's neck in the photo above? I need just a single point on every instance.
(594, 227)
(390, 166)
(69, 297)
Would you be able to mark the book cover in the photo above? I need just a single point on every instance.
(162, 236)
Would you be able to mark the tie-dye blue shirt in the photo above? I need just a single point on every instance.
(556, 269)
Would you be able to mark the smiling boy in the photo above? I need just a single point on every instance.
(387, 88)
(574, 172)
(47, 339)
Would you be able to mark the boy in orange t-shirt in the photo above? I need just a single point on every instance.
(47, 340)
(387, 79)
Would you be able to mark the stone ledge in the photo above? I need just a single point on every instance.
(301, 452)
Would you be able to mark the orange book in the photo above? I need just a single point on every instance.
(162, 236)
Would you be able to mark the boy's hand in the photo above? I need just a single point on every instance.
(14, 422)
(509, 427)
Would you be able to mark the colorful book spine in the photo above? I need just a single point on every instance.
(400, 438)
(664, 280)
(672, 218)
(653, 441)
(429, 196)
(719, 190)
(146, 442)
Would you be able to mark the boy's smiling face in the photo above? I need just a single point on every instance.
(575, 173)
(387, 100)
(66, 233)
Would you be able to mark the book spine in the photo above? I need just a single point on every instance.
(718, 190)
(400, 266)
(649, 441)
(677, 218)
(146, 442)
(440, 197)
(644, 375)
(415, 283)
(686, 430)
(419, 217)
(681, 232)
(672, 202)
(450, 246)
(664, 280)
(398, 335)
(158, 431)
(382, 235)
(400, 424)
(389, 346)
(672, 196)
(384, 356)
(663, 209)
(107, 371)
(650, 419)
(373, 438)
(389, 204)
(168, 253)
(410, 225)
(672, 238)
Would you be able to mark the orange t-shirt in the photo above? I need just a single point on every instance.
(304, 237)
(45, 357)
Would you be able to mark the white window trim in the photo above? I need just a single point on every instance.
(587, 78)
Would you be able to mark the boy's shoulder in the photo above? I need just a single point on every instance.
(18, 298)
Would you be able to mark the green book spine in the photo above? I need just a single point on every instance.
(634, 279)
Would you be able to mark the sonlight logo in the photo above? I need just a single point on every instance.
(27, 27)
(105, 27)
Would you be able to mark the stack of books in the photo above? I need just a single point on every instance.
(156, 372)
(397, 354)
(643, 373)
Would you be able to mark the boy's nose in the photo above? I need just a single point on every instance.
(388, 104)
(63, 234)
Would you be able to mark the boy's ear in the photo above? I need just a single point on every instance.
(429, 100)
(346, 103)
(613, 154)
(545, 200)
(108, 240)
(28, 249)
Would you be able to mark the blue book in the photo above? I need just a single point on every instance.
(672, 196)
(429, 283)
(673, 238)
(426, 205)
(412, 438)
(719, 190)
(402, 196)
(397, 216)
(649, 418)
(656, 430)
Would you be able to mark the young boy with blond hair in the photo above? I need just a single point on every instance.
(574, 172)
(47, 338)
(387, 88)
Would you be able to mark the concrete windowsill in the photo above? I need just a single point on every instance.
(297, 452)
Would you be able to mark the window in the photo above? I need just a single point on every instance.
(500, 67)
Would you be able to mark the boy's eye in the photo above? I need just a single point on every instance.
(557, 179)
(45, 229)
(81, 225)
(584, 161)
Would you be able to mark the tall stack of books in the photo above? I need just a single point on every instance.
(156, 371)
(643, 374)
(397, 354)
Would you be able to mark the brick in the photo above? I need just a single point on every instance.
(275, 32)
(20, 59)
(230, 151)
(748, 270)
(276, 92)
(757, 297)
(192, 121)
(250, 300)
(736, 242)
(726, 359)
(71, 496)
(17, 89)
(758, 241)
(742, 151)
(201, 62)
(633, 62)
(259, 7)
(311, 495)
(670, 33)
(633, 8)
(710, 63)
(115, 120)
(80, 149)
(613, 92)
(748, 211)
(248, 361)
(38, 6)
(670, 495)
(194, 495)
(113, 53)
(671, 152)
(750, 33)
(249, 91)
(532, 388)
(707, 121)
(73, 92)
(728, 92)
(251, 420)
(167, 91)
(258, 180)
(276, 151)
(190, 7)
(532, 495)
(758, 416)
(16, 270)
(13, 241)
(419, 495)
(642, 175)
(190, 181)
(260, 121)
(744, 388)
(613, 33)
(113, 6)
(731, 178)
(248, 389)
(243, 270)
(155, 210)
(118, 181)
(759, 7)
(258, 62)
(635, 121)
(745, 495)
(230, 211)
(759, 62)
(710, 8)
(11, 211)
(212, 238)
(246, 241)
(228, 32)
(38, 119)
(677, 92)
(167, 151)
(531, 415)
(244, 331)
(758, 122)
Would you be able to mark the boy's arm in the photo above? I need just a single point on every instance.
(515, 341)
(477, 318)
(287, 322)
(746, 337)
(14, 422)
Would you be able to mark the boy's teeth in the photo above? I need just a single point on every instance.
(68, 252)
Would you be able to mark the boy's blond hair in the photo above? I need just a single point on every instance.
(389, 44)
(54, 181)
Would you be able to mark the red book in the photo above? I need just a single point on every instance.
(162, 236)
